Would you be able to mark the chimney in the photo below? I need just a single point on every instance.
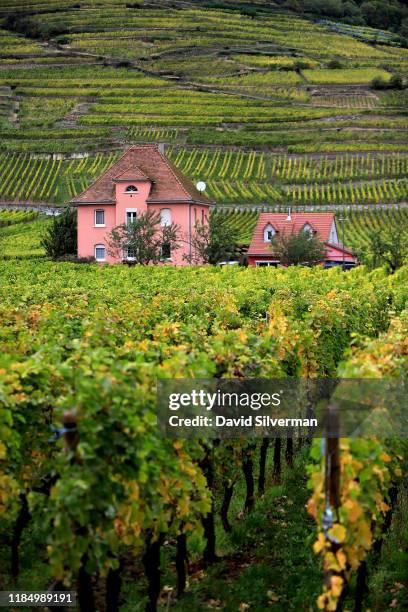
(161, 147)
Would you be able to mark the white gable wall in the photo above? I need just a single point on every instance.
(333, 238)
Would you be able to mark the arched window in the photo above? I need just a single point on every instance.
(269, 232)
(165, 217)
(100, 252)
(308, 228)
(131, 189)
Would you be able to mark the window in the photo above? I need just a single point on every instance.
(131, 189)
(100, 252)
(195, 216)
(165, 217)
(269, 233)
(99, 218)
(165, 251)
(131, 215)
(202, 217)
(130, 255)
(308, 228)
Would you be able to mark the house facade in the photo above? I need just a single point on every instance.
(142, 179)
(321, 225)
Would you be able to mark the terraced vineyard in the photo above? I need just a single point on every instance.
(245, 178)
(11, 217)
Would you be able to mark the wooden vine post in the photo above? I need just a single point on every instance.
(262, 466)
(247, 468)
(208, 520)
(86, 598)
(151, 562)
(333, 579)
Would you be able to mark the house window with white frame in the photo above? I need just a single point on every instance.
(269, 233)
(99, 219)
(130, 255)
(165, 217)
(308, 229)
(100, 252)
(131, 215)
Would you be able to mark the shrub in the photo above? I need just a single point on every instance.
(63, 40)
(334, 64)
(213, 242)
(379, 83)
(396, 82)
(75, 259)
(146, 239)
(294, 249)
(301, 65)
(60, 238)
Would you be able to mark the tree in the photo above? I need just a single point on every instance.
(34, 27)
(396, 82)
(145, 240)
(329, 8)
(404, 27)
(60, 237)
(350, 9)
(334, 64)
(382, 15)
(294, 249)
(379, 83)
(389, 248)
(212, 242)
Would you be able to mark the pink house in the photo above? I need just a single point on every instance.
(323, 225)
(142, 179)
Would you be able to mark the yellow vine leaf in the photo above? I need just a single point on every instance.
(365, 534)
(336, 583)
(319, 544)
(331, 562)
(383, 507)
(354, 510)
(312, 507)
(338, 532)
(342, 559)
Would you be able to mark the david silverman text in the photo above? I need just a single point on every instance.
(242, 421)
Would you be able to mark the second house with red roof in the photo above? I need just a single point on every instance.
(321, 225)
(142, 179)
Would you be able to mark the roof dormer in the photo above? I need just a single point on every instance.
(269, 232)
(307, 228)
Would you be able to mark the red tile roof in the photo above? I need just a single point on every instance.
(131, 174)
(320, 222)
(168, 183)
